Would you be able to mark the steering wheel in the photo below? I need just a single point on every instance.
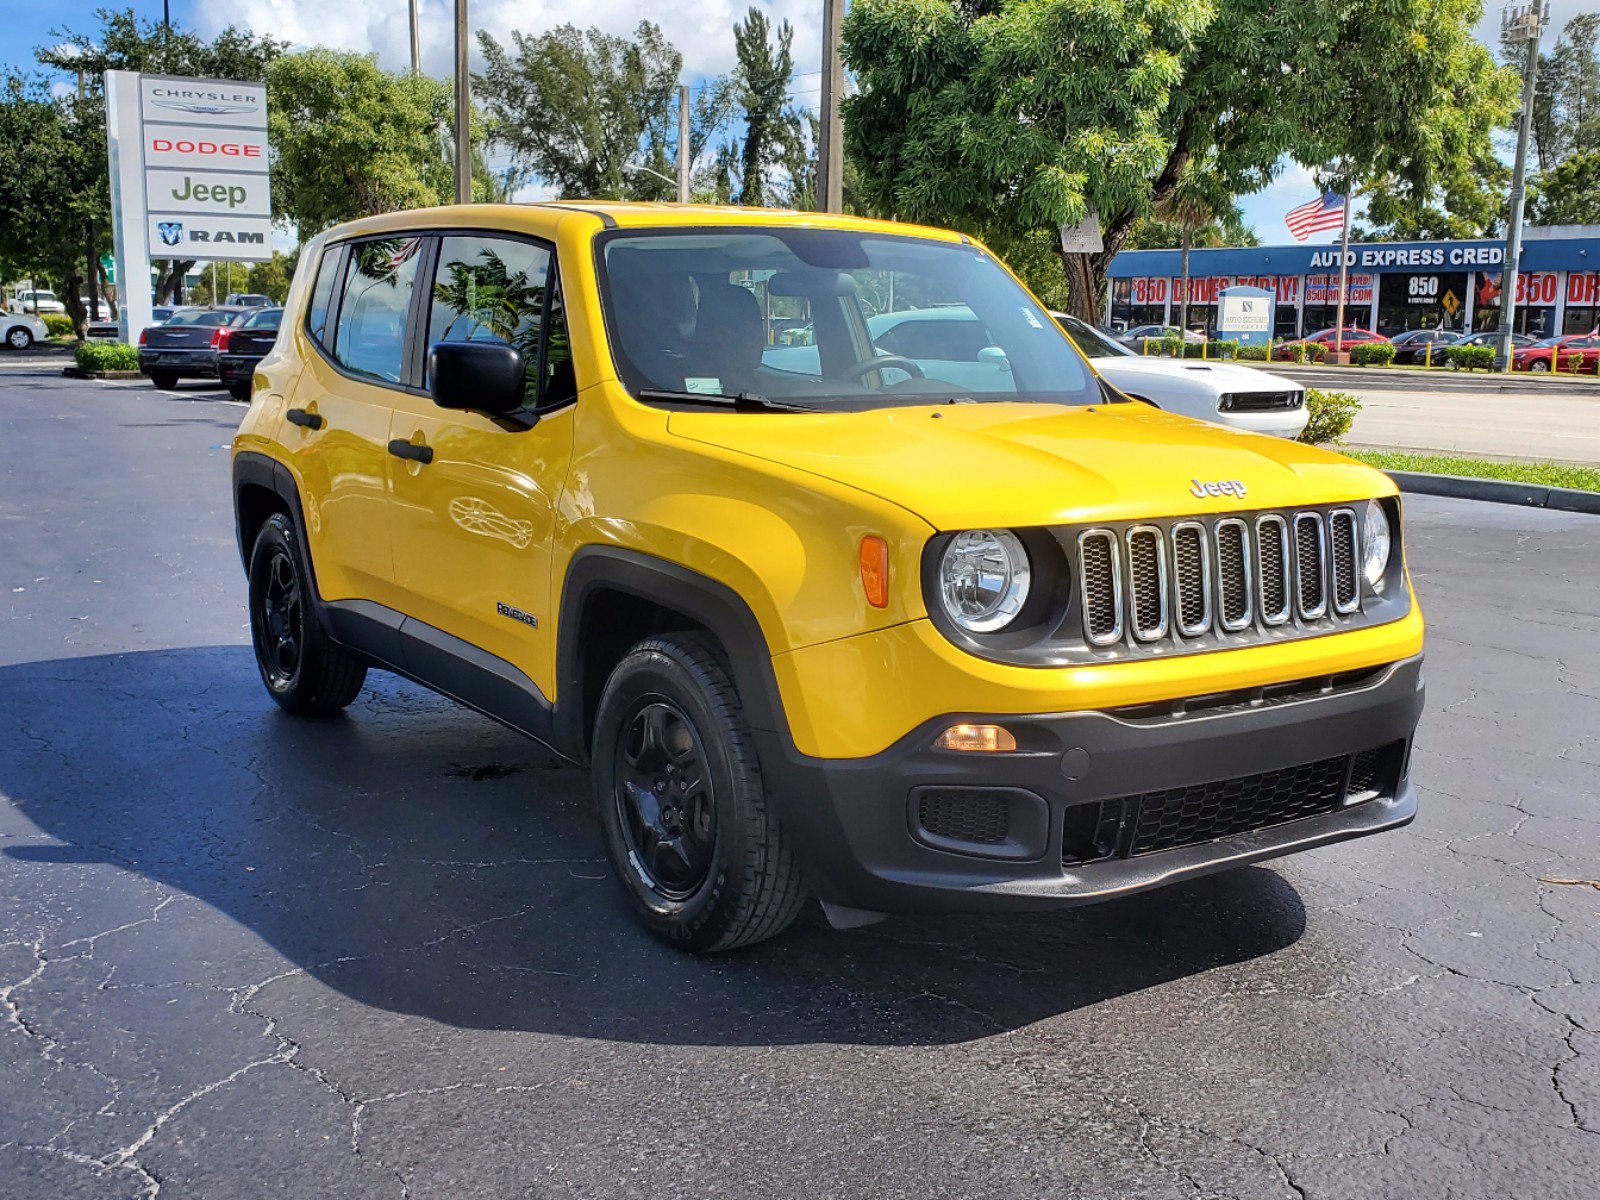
(898, 361)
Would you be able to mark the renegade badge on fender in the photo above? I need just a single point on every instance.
(898, 620)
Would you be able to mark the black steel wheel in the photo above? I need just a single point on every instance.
(689, 827)
(304, 670)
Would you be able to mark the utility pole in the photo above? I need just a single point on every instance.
(1526, 23)
(463, 110)
(830, 151)
(683, 143)
(1344, 269)
(416, 45)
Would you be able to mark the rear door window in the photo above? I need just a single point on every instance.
(373, 316)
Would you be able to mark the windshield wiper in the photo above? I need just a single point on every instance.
(743, 402)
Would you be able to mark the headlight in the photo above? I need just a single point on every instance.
(1375, 544)
(983, 579)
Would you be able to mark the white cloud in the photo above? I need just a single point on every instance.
(702, 30)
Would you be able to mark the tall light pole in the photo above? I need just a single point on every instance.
(1524, 23)
(416, 44)
(463, 110)
(830, 150)
(683, 143)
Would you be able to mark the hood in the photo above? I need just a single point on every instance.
(962, 466)
(1223, 376)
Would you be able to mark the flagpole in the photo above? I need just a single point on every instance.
(1344, 256)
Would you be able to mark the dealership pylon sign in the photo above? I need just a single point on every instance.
(188, 176)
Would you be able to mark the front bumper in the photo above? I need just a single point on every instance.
(856, 821)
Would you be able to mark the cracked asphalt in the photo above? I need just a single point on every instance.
(380, 956)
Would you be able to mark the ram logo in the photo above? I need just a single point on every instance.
(171, 232)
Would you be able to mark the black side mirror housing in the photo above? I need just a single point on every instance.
(482, 377)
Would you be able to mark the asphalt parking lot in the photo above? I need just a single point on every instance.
(243, 955)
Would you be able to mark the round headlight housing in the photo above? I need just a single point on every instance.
(1376, 544)
(984, 578)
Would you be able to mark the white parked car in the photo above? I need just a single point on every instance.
(40, 301)
(18, 331)
(1222, 392)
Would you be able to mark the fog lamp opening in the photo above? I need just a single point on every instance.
(983, 739)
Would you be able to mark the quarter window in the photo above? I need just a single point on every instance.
(506, 290)
(320, 312)
(377, 302)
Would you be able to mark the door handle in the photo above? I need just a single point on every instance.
(310, 420)
(401, 448)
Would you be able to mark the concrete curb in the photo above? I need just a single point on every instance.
(80, 373)
(1497, 491)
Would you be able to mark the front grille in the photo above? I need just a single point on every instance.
(1202, 582)
(1311, 595)
(1260, 401)
(965, 815)
(1150, 822)
(1147, 583)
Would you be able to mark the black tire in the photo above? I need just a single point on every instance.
(165, 380)
(717, 872)
(19, 337)
(304, 671)
(240, 391)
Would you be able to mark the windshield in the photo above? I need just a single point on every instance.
(1090, 340)
(1551, 341)
(829, 319)
(265, 319)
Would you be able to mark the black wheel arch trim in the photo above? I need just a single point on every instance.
(706, 602)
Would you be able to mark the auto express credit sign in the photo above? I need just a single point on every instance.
(188, 175)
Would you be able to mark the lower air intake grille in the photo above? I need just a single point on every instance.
(1151, 822)
(964, 815)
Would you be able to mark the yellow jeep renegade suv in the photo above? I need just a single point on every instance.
(820, 544)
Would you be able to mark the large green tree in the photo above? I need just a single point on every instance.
(1569, 194)
(594, 114)
(1010, 118)
(1566, 107)
(351, 139)
(765, 67)
(52, 189)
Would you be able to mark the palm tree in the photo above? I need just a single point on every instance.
(1197, 201)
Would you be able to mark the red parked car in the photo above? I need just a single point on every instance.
(1326, 339)
(1579, 352)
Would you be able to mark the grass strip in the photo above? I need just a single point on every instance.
(1586, 479)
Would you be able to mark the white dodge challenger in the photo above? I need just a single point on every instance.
(1228, 394)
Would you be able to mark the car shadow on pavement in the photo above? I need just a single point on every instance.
(420, 859)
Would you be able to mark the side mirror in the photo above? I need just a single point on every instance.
(481, 377)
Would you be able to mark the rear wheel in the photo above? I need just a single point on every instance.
(19, 337)
(165, 380)
(305, 672)
(239, 391)
(687, 821)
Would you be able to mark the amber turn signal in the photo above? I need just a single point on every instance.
(982, 738)
(875, 570)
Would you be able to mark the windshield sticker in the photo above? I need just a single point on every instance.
(707, 385)
(1027, 315)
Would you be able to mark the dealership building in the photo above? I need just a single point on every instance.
(1390, 286)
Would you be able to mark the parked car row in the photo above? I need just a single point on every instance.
(222, 343)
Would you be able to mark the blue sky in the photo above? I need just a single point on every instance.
(698, 27)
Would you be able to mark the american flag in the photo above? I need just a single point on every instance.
(1318, 216)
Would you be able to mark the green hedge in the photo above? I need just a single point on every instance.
(1329, 415)
(1307, 351)
(106, 356)
(1469, 358)
(59, 324)
(1252, 354)
(1372, 354)
(1178, 348)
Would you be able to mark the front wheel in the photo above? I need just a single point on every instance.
(19, 337)
(686, 817)
(1538, 366)
(305, 672)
